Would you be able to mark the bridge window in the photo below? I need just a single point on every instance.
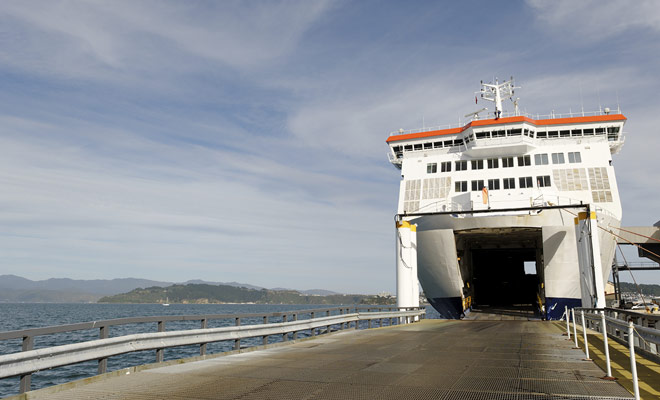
(460, 186)
(461, 166)
(482, 135)
(477, 164)
(553, 134)
(493, 163)
(437, 145)
(493, 184)
(477, 185)
(588, 132)
(445, 166)
(498, 133)
(525, 182)
(431, 168)
(524, 161)
(418, 146)
(514, 132)
(541, 159)
(407, 147)
(542, 134)
(509, 183)
(543, 181)
(574, 157)
(507, 162)
(428, 146)
(613, 133)
(576, 132)
(564, 133)
(558, 158)
(600, 131)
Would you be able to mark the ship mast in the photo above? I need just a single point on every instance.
(498, 91)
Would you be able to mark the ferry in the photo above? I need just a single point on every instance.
(490, 208)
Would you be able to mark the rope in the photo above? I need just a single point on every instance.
(638, 234)
(398, 234)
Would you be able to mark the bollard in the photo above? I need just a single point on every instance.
(584, 332)
(633, 364)
(568, 328)
(574, 329)
(609, 376)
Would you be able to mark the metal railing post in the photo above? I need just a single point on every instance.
(295, 333)
(568, 328)
(584, 333)
(327, 327)
(237, 342)
(103, 362)
(574, 329)
(285, 335)
(341, 325)
(202, 346)
(607, 349)
(313, 329)
(26, 380)
(159, 352)
(633, 364)
(265, 337)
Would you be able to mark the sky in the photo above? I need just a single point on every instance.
(245, 140)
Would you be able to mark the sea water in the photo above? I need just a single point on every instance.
(19, 316)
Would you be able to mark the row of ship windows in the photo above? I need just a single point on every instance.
(507, 162)
(507, 183)
(612, 134)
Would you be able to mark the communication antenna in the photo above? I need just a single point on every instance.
(495, 92)
(475, 114)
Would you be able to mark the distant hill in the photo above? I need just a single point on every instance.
(653, 290)
(204, 293)
(64, 290)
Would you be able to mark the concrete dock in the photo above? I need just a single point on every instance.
(432, 359)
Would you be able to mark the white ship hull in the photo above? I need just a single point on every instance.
(454, 254)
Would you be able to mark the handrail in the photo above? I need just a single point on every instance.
(29, 360)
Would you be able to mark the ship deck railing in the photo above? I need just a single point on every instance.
(283, 325)
(551, 115)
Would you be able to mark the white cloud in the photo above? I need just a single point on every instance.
(597, 20)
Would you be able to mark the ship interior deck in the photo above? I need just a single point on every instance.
(502, 267)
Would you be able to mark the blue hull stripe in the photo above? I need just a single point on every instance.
(448, 307)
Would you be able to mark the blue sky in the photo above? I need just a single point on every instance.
(245, 141)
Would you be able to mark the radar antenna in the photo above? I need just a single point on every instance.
(498, 91)
(475, 114)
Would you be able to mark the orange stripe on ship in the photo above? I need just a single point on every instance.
(508, 120)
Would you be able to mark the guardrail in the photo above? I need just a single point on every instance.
(31, 360)
(637, 330)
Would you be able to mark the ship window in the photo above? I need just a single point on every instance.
(613, 133)
(448, 143)
(482, 135)
(524, 161)
(477, 164)
(477, 185)
(588, 132)
(458, 142)
(408, 147)
(461, 166)
(564, 133)
(498, 133)
(525, 182)
(507, 162)
(530, 134)
(526, 132)
(493, 163)
(460, 186)
(553, 134)
(558, 158)
(396, 149)
(600, 131)
(437, 145)
(418, 146)
(514, 132)
(445, 166)
(493, 184)
(576, 132)
(574, 157)
(543, 181)
(428, 145)
(431, 168)
(613, 129)
(509, 183)
(541, 134)
(541, 159)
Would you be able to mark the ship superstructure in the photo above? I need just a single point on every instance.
(484, 199)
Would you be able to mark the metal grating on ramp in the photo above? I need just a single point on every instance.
(526, 360)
